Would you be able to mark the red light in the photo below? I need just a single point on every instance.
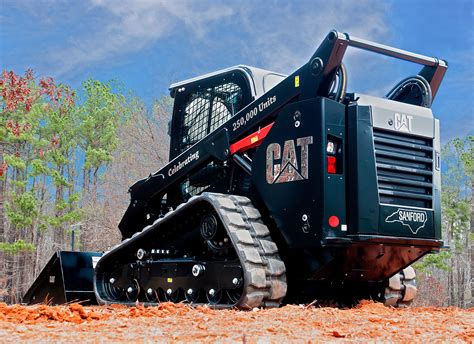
(331, 164)
(333, 221)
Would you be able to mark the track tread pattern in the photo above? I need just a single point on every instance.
(401, 289)
(257, 252)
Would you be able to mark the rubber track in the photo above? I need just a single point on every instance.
(401, 289)
(263, 270)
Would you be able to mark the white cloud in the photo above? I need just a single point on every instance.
(286, 34)
(130, 26)
(272, 34)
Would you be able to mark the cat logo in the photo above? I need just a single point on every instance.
(287, 170)
(403, 122)
(413, 219)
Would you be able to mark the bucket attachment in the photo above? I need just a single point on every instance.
(68, 277)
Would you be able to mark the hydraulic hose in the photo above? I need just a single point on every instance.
(417, 81)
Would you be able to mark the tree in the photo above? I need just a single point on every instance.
(447, 275)
(52, 147)
(456, 197)
(102, 111)
(100, 114)
(26, 145)
(465, 151)
(142, 148)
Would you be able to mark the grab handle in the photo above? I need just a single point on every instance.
(393, 52)
(433, 70)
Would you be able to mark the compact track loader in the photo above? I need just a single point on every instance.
(282, 188)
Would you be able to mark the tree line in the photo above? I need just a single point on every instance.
(447, 278)
(68, 157)
(58, 149)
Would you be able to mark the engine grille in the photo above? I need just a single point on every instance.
(404, 169)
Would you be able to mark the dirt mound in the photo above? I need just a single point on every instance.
(77, 313)
(170, 322)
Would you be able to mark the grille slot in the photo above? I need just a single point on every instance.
(404, 169)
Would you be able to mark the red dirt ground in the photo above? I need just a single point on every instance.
(181, 323)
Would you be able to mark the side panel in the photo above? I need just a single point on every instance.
(362, 194)
(289, 172)
(49, 285)
(67, 277)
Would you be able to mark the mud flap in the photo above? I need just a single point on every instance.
(67, 277)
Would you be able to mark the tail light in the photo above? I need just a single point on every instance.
(334, 155)
(333, 221)
(331, 147)
(332, 165)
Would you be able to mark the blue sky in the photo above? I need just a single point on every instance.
(148, 44)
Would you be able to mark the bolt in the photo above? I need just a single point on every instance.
(169, 291)
(197, 270)
(304, 217)
(316, 66)
(190, 291)
(141, 253)
(212, 292)
(129, 290)
(235, 281)
(297, 124)
(390, 122)
(112, 280)
(149, 291)
(305, 228)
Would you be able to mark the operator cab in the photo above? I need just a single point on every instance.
(203, 103)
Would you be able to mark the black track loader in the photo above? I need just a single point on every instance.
(285, 188)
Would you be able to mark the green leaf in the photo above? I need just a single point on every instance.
(39, 167)
(15, 162)
(16, 247)
(434, 261)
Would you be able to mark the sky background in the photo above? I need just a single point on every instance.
(147, 45)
